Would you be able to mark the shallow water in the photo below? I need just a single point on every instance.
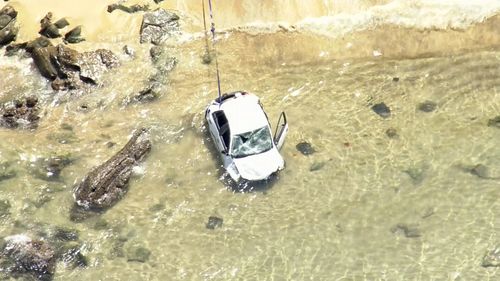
(336, 223)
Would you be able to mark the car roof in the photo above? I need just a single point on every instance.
(244, 113)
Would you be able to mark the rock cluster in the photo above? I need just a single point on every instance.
(8, 25)
(20, 113)
(22, 255)
(67, 68)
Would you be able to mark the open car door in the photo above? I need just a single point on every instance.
(281, 131)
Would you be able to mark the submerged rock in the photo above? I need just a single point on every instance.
(128, 9)
(382, 110)
(392, 133)
(481, 171)
(305, 148)
(492, 258)
(49, 168)
(20, 113)
(8, 25)
(406, 230)
(4, 208)
(6, 170)
(162, 61)
(316, 166)
(22, 255)
(214, 222)
(495, 122)
(427, 106)
(158, 26)
(136, 253)
(417, 174)
(107, 183)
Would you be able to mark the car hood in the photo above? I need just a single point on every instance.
(259, 166)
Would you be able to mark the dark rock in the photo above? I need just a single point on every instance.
(129, 51)
(408, 231)
(492, 258)
(214, 222)
(14, 49)
(74, 36)
(147, 95)
(50, 168)
(65, 234)
(23, 114)
(131, 9)
(158, 1)
(43, 61)
(51, 31)
(427, 106)
(27, 256)
(395, 79)
(495, 122)
(137, 254)
(381, 109)
(6, 171)
(158, 26)
(480, 171)
(46, 21)
(392, 133)
(305, 148)
(4, 208)
(107, 183)
(8, 25)
(61, 23)
(317, 166)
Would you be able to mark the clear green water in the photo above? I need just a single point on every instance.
(335, 223)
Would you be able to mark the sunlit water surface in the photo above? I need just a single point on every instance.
(332, 215)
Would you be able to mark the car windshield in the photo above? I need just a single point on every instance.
(251, 143)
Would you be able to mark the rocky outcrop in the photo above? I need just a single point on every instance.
(20, 113)
(8, 25)
(67, 68)
(107, 183)
(22, 255)
(158, 26)
(128, 9)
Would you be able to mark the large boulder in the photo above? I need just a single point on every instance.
(108, 182)
(22, 255)
(8, 25)
(20, 113)
(158, 26)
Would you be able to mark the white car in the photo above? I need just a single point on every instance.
(242, 135)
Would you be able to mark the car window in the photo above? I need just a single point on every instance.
(251, 143)
(223, 126)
